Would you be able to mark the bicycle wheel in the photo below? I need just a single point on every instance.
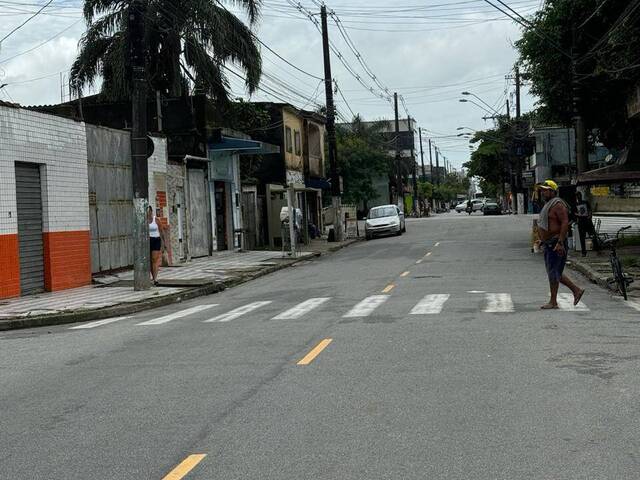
(618, 275)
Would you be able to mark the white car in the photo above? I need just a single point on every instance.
(384, 220)
(461, 207)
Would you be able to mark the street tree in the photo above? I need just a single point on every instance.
(185, 40)
(489, 161)
(602, 37)
(362, 159)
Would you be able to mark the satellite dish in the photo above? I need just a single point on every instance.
(609, 159)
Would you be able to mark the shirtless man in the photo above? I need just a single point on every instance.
(554, 227)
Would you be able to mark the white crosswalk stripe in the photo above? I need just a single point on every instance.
(98, 323)
(176, 315)
(367, 306)
(565, 302)
(634, 304)
(302, 309)
(238, 312)
(430, 305)
(499, 303)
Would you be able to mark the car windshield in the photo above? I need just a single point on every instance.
(382, 212)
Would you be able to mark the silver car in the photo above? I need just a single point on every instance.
(384, 220)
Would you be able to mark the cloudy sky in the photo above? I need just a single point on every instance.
(428, 51)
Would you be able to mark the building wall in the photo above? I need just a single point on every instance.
(293, 160)
(59, 147)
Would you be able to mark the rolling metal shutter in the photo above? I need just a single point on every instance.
(29, 199)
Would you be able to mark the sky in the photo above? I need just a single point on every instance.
(428, 51)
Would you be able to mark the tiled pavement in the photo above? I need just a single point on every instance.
(108, 290)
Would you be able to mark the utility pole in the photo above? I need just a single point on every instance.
(424, 175)
(508, 110)
(137, 55)
(433, 201)
(413, 165)
(582, 155)
(518, 111)
(437, 167)
(399, 184)
(336, 194)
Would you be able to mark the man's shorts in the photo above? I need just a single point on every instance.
(555, 262)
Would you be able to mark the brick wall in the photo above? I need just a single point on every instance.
(59, 146)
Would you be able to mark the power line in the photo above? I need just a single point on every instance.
(26, 21)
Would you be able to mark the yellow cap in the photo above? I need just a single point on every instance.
(549, 185)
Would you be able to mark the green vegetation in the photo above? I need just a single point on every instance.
(362, 158)
(184, 39)
(603, 37)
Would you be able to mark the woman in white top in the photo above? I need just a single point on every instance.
(156, 229)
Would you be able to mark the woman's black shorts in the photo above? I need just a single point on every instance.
(156, 244)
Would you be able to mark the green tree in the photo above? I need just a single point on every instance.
(603, 38)
(362, 159)
(490, 160)
(185, 39)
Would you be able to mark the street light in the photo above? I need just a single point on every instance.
(464, 100)
(481, 100)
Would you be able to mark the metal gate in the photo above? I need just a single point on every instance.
(29, 199)
(200, 238)
(250, 220)
(110, 199)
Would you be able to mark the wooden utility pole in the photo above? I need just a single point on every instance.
(139, 164)
(399, 183)
(336, 200)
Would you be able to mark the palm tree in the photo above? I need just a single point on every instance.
(185, 39)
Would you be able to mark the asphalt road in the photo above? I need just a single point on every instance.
(452, 373)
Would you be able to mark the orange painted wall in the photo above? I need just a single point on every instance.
(67, 260)
(9, 266)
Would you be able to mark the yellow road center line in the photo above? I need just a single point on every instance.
(185, 467)
(388, 288)
(405, 274)
(418, 262)
(310, 357)
(428, 254)
(437, 244)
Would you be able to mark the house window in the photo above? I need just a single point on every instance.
(298, 142)
(288, 140)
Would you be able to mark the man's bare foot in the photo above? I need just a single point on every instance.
(549, 306)
(577, 297)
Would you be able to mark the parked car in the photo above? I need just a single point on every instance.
(461, 207)
(491, 207)
(384, 220)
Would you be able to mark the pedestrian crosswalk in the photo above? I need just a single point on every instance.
(174, 316)
(367, 306)
(429, 305)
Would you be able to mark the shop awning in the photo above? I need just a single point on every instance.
(241, 146)
(626, 169)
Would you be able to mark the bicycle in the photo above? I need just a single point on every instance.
(620, 279)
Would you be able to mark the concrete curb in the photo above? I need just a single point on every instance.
(148, 304)
(590, 273)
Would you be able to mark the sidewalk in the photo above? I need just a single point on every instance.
(113, 295)
(596, 267)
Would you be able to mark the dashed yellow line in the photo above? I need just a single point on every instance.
(428, 254)
(310, 357)
(185, 467)
(405, 274)
(437, 244)
(388, 288)
(419, 262)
